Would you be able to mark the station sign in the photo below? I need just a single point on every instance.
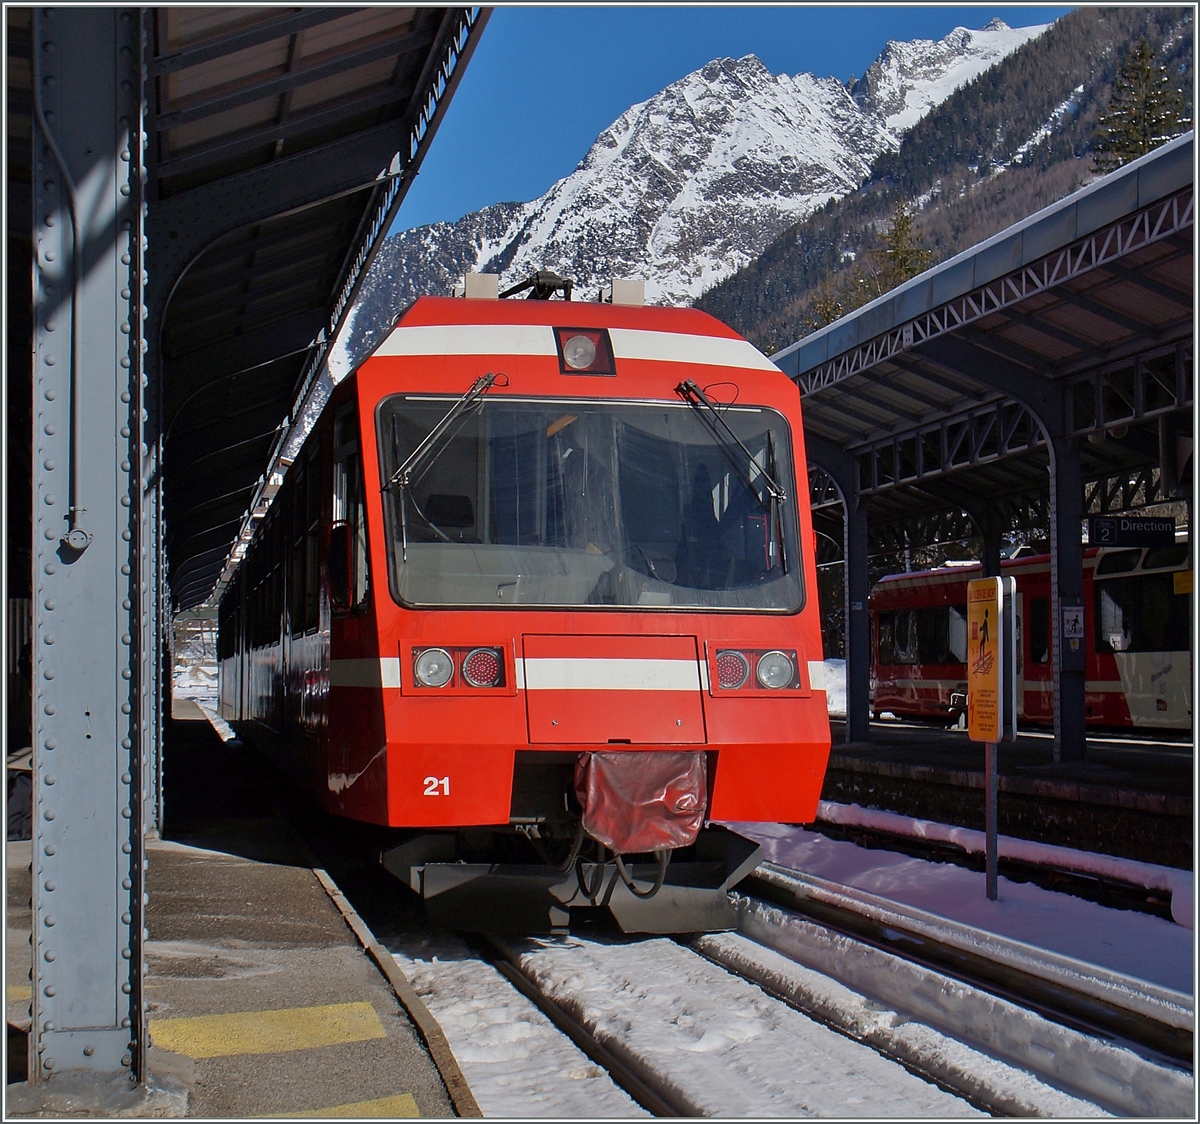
(1130, 530)
(991, 660)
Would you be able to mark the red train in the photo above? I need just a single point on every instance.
(534, 589)
(1137, 634)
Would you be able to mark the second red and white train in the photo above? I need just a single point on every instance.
(1137, 629)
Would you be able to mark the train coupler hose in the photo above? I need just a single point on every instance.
(664, 858)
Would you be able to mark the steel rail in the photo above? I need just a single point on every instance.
(1088, 998)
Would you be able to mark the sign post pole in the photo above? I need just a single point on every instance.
(991, 691)
(992, 844)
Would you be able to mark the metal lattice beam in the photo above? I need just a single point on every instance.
(1150, 224)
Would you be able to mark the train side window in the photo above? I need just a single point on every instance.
(957, 633)
(1165, 556)
(933, 639)
(1142, 614)
(1118, 562)
(904, 637)
(1039, 630)
(312, 541)
(296, 545)
(887, 622)
(349, 502)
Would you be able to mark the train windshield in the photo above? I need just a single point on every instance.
(589, 503)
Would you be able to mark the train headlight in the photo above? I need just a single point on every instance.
(733, 669)
(482, 667)
(584, 351)
(433, 667)
(579, 352)
(775, 670)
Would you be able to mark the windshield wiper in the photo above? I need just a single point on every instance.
(428, 450)
(730, 444)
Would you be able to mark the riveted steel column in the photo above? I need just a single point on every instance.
(1066, 599)
(88, 861)
(842, 469)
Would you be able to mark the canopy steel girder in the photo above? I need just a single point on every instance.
(1112, 494)
(1131, 391)
(1157, 221)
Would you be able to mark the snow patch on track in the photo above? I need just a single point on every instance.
(1000, 1087)
(715, 1045)
(518, 1064)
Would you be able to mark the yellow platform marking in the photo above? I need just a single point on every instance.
(267, 1032)
(19, 991)
(402, 1104)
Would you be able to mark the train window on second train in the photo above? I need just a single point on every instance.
(590, 503)
(1165, 556)
(898, 637)
(1039, 630)
(887, 621)
(1142, 614)
(1118, 561)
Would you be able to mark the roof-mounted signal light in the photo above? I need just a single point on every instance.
(584, 351)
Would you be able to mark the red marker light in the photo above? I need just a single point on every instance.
(733, 669)
(482, 667)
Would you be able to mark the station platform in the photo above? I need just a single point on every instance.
(1131, 796)
(261, 999)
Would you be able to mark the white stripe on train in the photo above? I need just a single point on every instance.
(538, 339)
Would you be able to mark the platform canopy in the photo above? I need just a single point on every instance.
(931, 387)
(1047, 370)
(281, 143)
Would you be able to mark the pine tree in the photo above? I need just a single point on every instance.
(1146, 110)
(903, 257)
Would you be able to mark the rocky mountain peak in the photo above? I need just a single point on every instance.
(688, 186)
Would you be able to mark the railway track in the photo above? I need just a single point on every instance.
(1006, 1054)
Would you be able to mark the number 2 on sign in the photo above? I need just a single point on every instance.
(433, 784)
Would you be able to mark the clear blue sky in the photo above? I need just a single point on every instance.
(545, 79)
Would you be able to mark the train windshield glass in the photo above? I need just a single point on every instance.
(588, 503)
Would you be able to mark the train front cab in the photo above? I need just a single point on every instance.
(1137, 638)
(577, 566)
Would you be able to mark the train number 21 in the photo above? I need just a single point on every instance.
(434, 784)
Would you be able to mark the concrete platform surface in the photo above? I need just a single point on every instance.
(261, 1001)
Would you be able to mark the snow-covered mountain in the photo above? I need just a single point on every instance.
(687, 187)
(909, 79)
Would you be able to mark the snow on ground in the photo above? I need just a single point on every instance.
(718, 1042)
(835, 687)
(1178, 883)
(517, 1064)
(1137, 944)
